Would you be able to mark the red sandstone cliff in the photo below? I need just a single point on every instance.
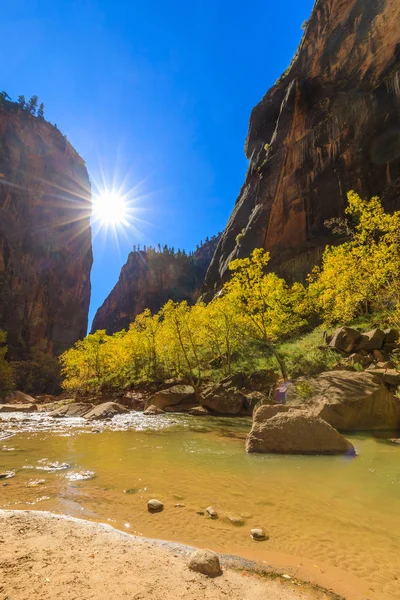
(45, 237)
(329, 125)
(149, 279)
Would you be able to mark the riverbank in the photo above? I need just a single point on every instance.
(46, 556)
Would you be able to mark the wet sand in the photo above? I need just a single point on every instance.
(46, 556)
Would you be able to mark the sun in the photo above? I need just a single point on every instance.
(110, 208)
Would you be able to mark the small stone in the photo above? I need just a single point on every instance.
(286, 576)
(153, 410)
(205, 562)
(211, 512)
(7, 474)
(258, 535)
(200, 512)
(131, 491)
(179, 506)
(237, 521)
(36, 482)
(155, 506)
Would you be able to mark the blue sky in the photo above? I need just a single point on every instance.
(155, 93)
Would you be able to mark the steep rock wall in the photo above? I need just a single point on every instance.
(149, 279)
(45, 237)
(329, 125)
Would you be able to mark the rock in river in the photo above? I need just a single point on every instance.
(212, 513)
(172, 396)
(205, 562)
(155, 506)
(258, 534)
(296, 432)
(105, 411)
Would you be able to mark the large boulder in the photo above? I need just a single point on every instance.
(107, 410)
(73, 409)
(176, 394)
(371, 340)
(344, 339)
(265, 412)
(20, 398)
(296, 432)
(347, 400)
(223, 400)
(24, 408)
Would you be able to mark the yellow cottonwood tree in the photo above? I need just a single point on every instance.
(361, 272)
(273, 308)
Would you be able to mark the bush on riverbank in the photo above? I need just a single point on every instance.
(256, 319)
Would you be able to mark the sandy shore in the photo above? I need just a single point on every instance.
(46, 556)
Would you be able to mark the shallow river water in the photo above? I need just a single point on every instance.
(344, 512)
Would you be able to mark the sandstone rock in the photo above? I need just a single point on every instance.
(258, 535)
(267, 412)
(349, 401)
(199, 411)
(106, 410)
(25, 408)
(223, 400)
(305, 137)
(155, 506)
(73, 409)
(176, 394)
(140, 285)
(133, 400)
(7, 475)
(212, 513)
(205, 562)
(344, 339)
(371, 340)
(388, 376)
(45, 237)
(253, 400)
(391, 336)
(20, 398)
(296, 432)
(236, 520)
(153, 410)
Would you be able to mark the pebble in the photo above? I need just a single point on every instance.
(238, 521)
(36, 482)
(205, 562)
(286, 577)
(258, 534)
(7, 474)
(212, 513)
(179, 505)
(155, 506)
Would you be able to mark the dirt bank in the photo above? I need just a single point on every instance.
(45, 556)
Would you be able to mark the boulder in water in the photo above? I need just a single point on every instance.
(106, 410)
(296, 432)
(73, 409)
(176, 394)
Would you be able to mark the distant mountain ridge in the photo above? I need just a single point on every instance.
(150, 277)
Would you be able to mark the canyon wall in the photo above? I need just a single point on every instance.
(45, 236)
(149, 279)
(329, 125)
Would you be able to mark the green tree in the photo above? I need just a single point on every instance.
(22, 102)
(40, 112)
(32, 105)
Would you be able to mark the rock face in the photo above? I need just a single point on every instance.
(45, 237)
(349, 401)
(172, 396)
(296, 432)
(107, 410)
(149, 279)
(329, 125)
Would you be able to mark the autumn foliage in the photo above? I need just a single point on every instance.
(254, 312)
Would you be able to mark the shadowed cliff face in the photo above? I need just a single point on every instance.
(149, 279)
(45, 237)
(329, 125)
